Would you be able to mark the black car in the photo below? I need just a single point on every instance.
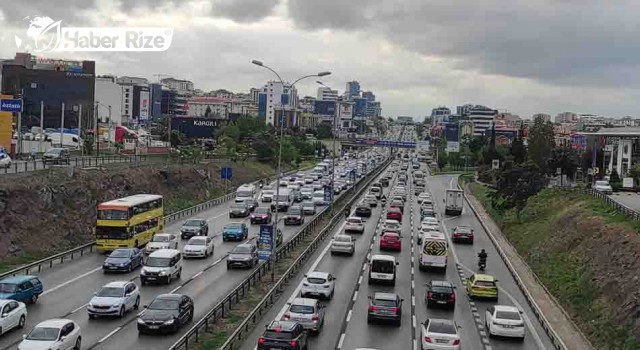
(294, 216)
(243, 255)
(239, 210)
(385, 307)
(384, 182)
(261, 215)
(56, 156)
(462, 234)
(194, 227)
(363, 211)
(440, 293)
(297, 196)
(284, 335)
(252, 204)
(123, 259)
(166, 313)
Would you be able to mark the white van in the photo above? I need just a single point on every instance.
(267, 196)
(161, 266)
(434, 251)
(382, 269)
(318, 198)
(244, 192)
(283, 201)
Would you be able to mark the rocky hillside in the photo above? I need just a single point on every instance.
(588, 257)
(48, 212)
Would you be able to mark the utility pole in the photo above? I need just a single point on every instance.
(80, 130)
(95, 133)
(62, 125)
(41, 126)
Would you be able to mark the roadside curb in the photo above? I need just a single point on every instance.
(573, 338)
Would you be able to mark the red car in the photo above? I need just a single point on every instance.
(390, 241)
(394, 214)
(462, 234)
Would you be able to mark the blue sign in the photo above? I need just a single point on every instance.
(385, 143)
(11, 105)
(226, 173)
(328, 193)
(265, 242)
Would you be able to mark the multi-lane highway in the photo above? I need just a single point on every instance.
(70, 286)
(346, 326)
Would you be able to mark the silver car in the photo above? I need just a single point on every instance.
(307, 312)
(343, 244)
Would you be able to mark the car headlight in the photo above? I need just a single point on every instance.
(169, 321)
(143, 272)
(162, 273)
(140, 321)
(124, 264)
(115, 305)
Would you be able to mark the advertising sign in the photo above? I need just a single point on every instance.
(11, 105)
(452, 146)
(495, 164)
(627, 182)
(144, 105)
(265, 242)
(328, 193)
(194, 127)
(345, 110)
(451, 132)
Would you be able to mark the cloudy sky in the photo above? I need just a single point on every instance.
(524, 57)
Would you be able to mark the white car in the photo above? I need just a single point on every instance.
(308, 180)
(343, 244)
(429, 225)
(429, 220)
(320, 284)
(198, 247)
(5, 161)
(57, 333)
(424, 197)
(14, 315)
(114, 299)
(439, 334)
(504, 321)
(603, 186)
(391, 224)
(371, 200)
(354, 224)
(162, 241)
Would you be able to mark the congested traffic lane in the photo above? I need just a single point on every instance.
(69, 286)
(466, 256)
(343, 267)
(206, 289)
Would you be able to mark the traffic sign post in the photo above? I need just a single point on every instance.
(226, 174)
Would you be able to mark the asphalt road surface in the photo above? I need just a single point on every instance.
(345, 325)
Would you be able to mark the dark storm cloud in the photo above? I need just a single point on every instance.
(561, 42)
(67, 10)
(243, 10)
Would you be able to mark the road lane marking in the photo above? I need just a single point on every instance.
(341, 341)
(109, 335)
(62, 285)
(349, 315)
(78, 308)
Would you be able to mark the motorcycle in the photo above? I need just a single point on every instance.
(482, 264)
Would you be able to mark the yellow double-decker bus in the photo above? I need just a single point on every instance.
(128, 222)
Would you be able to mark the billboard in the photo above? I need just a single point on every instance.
(325, 107)
(265, 242)
(452, 146)
(345, 110)
(194, 127)
(451, 132)
(144, 105)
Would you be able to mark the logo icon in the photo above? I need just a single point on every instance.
(44, 34)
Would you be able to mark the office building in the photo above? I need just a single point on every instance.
(279, 100)
(209, 107)
(140, 106)
(481, 116)
(440, 115)
(108, 98)
(327, 94)
(360, 106)
(405, 120)
(373, 109)
(180, 86)
(52, 82)
(542, 116)
(156, 100)
(369, 96)
(566, 117)
(352, 90)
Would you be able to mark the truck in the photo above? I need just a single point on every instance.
(454, 199)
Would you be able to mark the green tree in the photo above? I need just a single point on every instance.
(518, 150)
(565, 158)
(323, 131)
(515, 185)
(541, 143)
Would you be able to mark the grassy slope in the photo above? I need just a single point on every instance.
(549, 238)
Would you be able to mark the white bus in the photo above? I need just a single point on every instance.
(434, 251)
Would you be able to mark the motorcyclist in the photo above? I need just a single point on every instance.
(347, 211)
(383, 199)
(261, 183)
(482, 258)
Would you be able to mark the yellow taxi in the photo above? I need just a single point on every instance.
(482, 286)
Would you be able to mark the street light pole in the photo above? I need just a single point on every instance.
(274, 230)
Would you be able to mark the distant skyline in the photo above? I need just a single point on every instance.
(540, 56)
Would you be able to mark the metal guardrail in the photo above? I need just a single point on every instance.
(551, 333)
(620, 208)
(90, 247)
(18, 166)
(220, 310)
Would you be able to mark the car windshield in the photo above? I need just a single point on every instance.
(53, 151)
(316, 280)
(508, 315)
(238, 206)
(262, 210)
(44, 334)
(233, 226)
(163, 304)
(277, 335)
(8, 288)
(442, 328)
(158, 238)
(197, 241)
(354, 221)
(110, 292)
(382, 266)
(343, 239)
(241, 250)
(192, 223)
(463, 230)
(120, 253)
(294, 211)
(301, 309)
(158, 262)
